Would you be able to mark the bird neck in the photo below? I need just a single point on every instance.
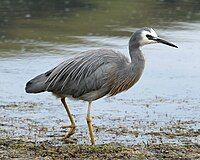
(135, 54)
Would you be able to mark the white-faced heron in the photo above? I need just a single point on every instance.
(96, 73)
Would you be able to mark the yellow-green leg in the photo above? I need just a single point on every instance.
(89, 123)
(72, 126)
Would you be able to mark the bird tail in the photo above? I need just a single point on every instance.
(37, 84)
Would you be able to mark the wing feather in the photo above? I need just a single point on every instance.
(84, 73)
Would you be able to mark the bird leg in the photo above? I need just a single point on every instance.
(89, 123)
(72, 126)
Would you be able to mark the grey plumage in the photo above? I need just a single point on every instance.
(88, 76)
(96, 73)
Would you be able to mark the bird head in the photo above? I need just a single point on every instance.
(146, 36)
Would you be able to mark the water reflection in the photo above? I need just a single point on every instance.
(59, 21)
(55, 20)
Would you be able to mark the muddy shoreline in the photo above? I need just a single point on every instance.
(121, 136)
(17, 148)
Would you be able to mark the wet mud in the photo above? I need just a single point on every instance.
(121, 136)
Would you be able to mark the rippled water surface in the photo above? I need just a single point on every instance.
(37, 35)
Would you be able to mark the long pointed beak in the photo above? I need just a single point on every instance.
(159, 40)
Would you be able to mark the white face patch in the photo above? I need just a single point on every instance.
(144, 40)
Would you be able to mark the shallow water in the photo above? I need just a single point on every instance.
(35, 39)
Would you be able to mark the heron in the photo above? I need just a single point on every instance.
(94, 74)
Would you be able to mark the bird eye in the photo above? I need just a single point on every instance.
(149, 37)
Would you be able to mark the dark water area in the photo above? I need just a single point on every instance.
(37, 35)
(61, 21)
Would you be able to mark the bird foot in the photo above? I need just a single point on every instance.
(67, 126)
(70, 132)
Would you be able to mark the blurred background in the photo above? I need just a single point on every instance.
(29, 25)
(36, 35)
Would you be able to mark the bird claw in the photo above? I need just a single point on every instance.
(66, 126)
(70, 132)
